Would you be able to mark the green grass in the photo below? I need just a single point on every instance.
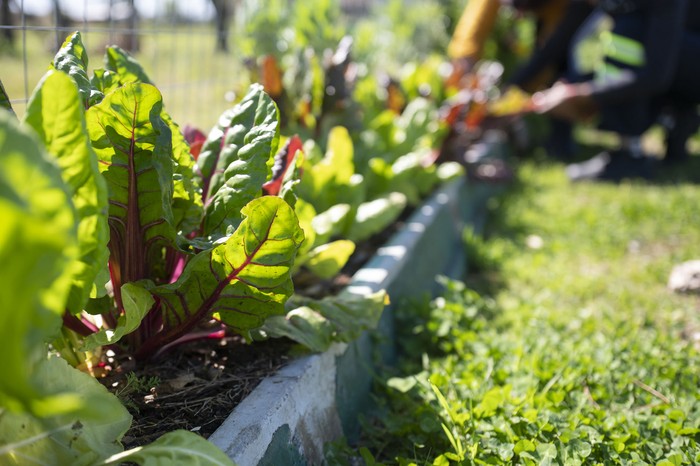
(574, 351)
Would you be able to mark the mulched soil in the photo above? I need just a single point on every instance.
(196, 385)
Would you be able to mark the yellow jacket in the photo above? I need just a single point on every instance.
(479, 16)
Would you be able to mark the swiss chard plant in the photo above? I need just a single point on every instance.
(313, 323)
(50, 412)
(178, 249)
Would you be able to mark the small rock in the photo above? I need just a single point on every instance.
(534, 242)
(685, 277)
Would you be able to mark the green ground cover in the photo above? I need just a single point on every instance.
(563, 346)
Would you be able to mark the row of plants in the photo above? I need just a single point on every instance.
(122, 240)
(573, 351)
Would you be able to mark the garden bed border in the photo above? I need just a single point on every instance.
(317, 398)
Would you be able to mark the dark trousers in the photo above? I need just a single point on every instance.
(682, 97)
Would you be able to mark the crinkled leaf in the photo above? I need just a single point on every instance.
(240, 282)
(90, 429)
(101, 305)
(72, 59)
(187, 199)
(303, 325)
(104, 81)
(5, 100)
(318, 323)
(56, 114)
(137, 302)
(331, 223)
(352, 314)
(237, 158)
(327, 260)
(133, 146)
(37, 242)
(177, 447)
(126, 67)
(374, 216)
(100, 285)
(327, 182)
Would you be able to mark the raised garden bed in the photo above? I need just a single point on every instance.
(186, 264)
(314, 399)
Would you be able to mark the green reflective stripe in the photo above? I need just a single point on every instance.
(623, 49)
(607, 72)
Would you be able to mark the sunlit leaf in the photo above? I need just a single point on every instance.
(90, 428)
(72, 59)
(177, 447)
(239, 282)
(56, 114)
(37, 243)
(236, 159)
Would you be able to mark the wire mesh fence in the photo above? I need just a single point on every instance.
(178, 42)
(178, 52)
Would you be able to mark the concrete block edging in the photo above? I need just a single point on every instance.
(289, 417)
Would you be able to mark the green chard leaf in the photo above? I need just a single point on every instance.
(236, 159)
(303, 325)
(327, 260)
(177, 447)
(316, 324)
(125, 66)
(104, 81)
(331, 223)
(187, 199)
(137, 302)
(330, 181)
(56, 114)
(133, 146)
(240, 282)
(408, 175)
(374, 216)
(305, 214)
(37, 242)
(83, 435)
(72, 59)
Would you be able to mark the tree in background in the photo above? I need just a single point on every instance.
(131, 41)
(224, 13)
(6, 19)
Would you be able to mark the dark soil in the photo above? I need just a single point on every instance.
(194, 387)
